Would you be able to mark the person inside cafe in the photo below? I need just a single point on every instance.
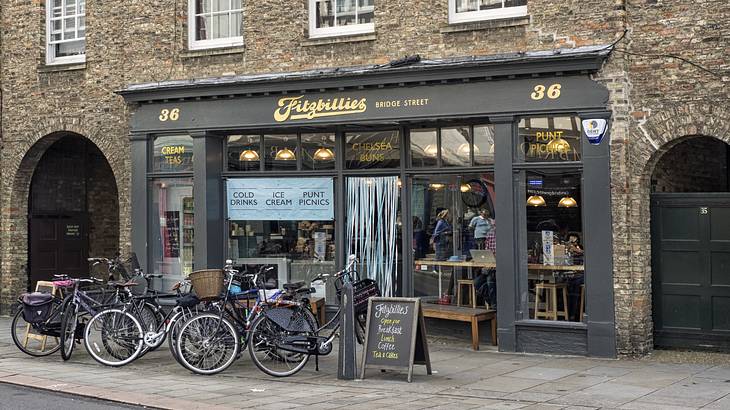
(481, 225)
(485, 283)
(441, 237)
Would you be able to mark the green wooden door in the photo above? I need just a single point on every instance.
(691, 270)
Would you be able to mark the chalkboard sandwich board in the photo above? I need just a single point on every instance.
(395, 336)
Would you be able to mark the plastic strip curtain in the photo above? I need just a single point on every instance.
(372, 212)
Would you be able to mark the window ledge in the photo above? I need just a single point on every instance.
(486, 24)
(555, 324)
(339, 39)
(51, 68)
(213, 52)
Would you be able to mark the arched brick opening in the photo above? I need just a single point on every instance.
(650, 139)
(101, 194)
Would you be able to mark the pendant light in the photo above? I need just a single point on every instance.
(248, 154)
(536, 200)
(465, 188)
(436, 186)
(323, 154)
(567, 202)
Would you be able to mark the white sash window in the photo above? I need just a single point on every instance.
(463, 11)
(66, 31)
(215, 23)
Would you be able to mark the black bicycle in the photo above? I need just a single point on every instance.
(282, 338)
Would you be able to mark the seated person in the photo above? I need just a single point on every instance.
(485, 285)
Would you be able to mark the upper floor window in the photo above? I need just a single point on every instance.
(214, 23)
(329, 18)
(66, 38)
(462, 11)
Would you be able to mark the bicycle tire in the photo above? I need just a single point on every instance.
(69, 321)
(260, 338)
(177, 322)
(119, 330)
(16, 339)
(150, 318)
(193, 343)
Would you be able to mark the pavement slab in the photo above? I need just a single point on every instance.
(462, 379)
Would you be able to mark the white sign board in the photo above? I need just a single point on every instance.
(280, 199)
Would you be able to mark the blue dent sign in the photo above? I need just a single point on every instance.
(280, 199)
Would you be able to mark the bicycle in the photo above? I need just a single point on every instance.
(294, 329)
(209, 342)
(112, 347)
(39, 317)
(78, 299)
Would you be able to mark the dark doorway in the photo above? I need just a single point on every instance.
(73, 210)
(691, 246)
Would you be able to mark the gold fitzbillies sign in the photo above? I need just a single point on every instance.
(297, 108)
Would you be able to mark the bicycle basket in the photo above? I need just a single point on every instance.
(362, 290)
(37, 307)
(207, 284)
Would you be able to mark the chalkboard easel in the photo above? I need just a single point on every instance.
(395, 336)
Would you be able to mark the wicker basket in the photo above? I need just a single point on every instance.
(207, 284)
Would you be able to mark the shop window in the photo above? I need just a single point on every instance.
(173, 154)
(462, 11)
(171, 226)
(456, 146)
(319, 151)
(280, 152)
(374, 149)
(424, 147)
(214, 23)
(549, 139)
(244, 152)
(555, 240)
(454, 238)
(483, 144)
(66, 28)
(287, 222)
(329, 18)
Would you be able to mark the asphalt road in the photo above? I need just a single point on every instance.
(15, 398)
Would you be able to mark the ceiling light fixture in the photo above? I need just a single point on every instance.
(567, 202)
(536, 200)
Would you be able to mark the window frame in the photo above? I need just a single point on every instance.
(194, 44)
(51, 58)
(481, 15)
(336, 31)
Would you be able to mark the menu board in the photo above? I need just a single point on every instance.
(395, 335)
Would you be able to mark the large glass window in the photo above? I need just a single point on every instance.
(340, 17)
(456, 146)
(461, 11)
(172, 226)
(454, 238)
(554, 236)
(550, 139)
(66, 31)
(319, 151)
(173, 154)
(280, 152)
(424, 147)
(372, 149)
(244, 152)
(215, 23)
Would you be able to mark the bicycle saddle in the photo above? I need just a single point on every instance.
(293, 286)
(187, 301)
(123, 284)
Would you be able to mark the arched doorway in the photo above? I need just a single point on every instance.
(73, 209)
(690, 230)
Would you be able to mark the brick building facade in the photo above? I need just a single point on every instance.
(656, 98)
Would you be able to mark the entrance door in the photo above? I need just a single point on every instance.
(691, 270)
(58, 244)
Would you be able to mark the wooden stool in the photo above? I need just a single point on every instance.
(550, 311)
(43, 339)
(582, 301)
(472, 293)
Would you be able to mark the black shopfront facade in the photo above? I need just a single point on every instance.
(505, 136)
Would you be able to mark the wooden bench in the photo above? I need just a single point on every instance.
(464, 314)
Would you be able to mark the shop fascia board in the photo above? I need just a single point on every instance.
(581, 60)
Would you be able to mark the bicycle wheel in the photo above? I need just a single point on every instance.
(207, 343)
(263, 340)
(175, 325)
(69, 321)
(150, 319)
(113, 337)
(30, 340)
